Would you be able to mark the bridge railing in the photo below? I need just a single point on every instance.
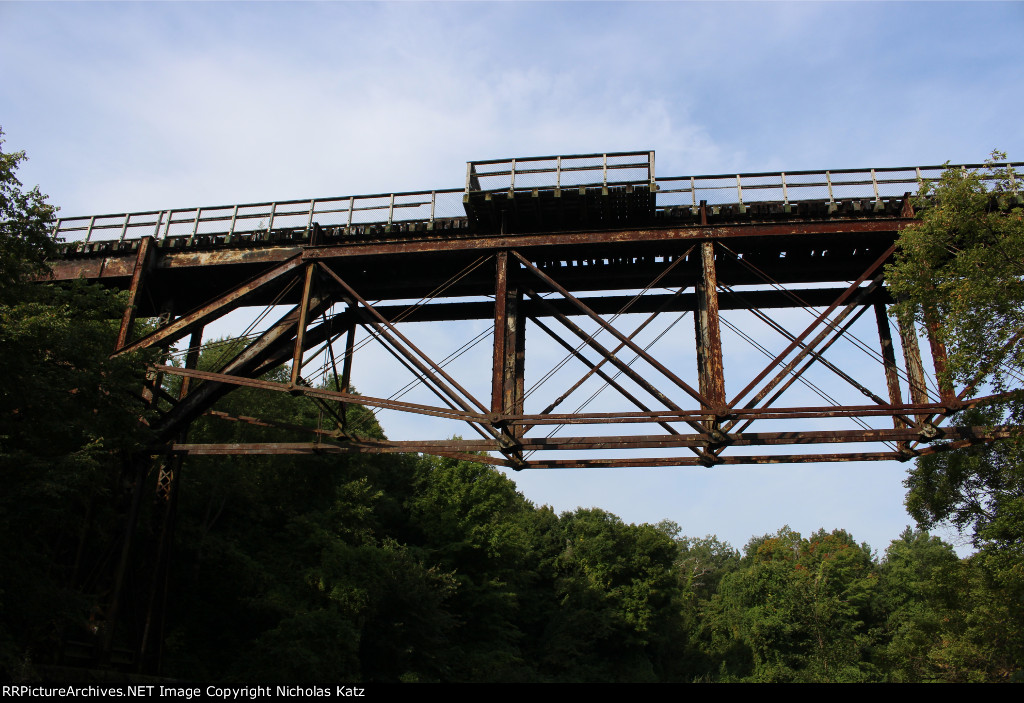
(578, 170)
(256, 218)
(833, 186)
(426, 207)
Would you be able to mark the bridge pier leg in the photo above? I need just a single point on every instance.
(915, 367)
(303, 322)
(939, 360)
(710, 371)
(507, 385)
(143, 263)
(892, 379)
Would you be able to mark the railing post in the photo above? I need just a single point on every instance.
(270, 223)
(167, 227)
(312, 206)
(195, 224)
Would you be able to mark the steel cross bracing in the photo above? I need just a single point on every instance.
(592, 254)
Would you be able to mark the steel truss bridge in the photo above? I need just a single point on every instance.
(573, 247)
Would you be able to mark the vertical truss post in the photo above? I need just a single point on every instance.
(195, 342)
(892, 379)
(303, 320)
(709, 336)
(346, 365)
(915, 368)
(501, 360)
(142, 266)
(509, 353)
(939, 360)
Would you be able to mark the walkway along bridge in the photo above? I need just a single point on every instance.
(575, 245)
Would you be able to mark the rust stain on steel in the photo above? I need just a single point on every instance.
(710, 371)
(526, 241)
(892, 379)
(915, 368)
(143, 263)
(323, 393)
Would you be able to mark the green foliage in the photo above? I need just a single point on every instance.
(962, 266)
(25, 240)
(801, 610)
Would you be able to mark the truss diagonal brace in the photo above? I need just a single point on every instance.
(618, 363)
(614, 332)
(250, 358)
(810, 328)
(214, 309)
(143, 263)
(430, 369)
(809, 349)
(596, 369)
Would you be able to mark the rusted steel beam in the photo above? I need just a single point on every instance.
(610, 329)
(757, 413)
(213, 310)
(307, 288)
(195, 344)
(501, 361)
(940, 360)
(710, 372)
(915, 367)
(315, 448)
(851, 290)
(697, 461)
(346, 366)
(234, 380)
(143, 263)
(892, 379)
(420, 244)
(508, 359)
(746, 439)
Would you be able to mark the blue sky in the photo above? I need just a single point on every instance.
(129, 106)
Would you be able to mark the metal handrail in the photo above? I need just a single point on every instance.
(382, 209)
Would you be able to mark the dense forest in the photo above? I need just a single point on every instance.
(411, 568)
